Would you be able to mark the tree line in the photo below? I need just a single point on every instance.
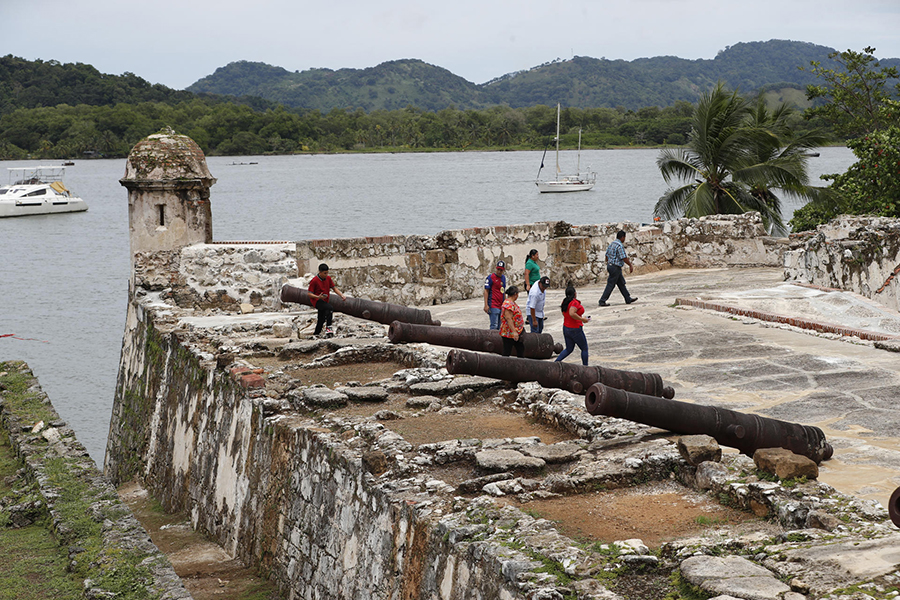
(219, 128)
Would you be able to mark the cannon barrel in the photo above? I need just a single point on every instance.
(537, 345)
(574, 378)
(894, 507)
(746, 432)
(381, 312)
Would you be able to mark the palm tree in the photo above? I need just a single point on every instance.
(734, 158)
(779, 161)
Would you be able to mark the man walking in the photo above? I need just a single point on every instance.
(615, 260)
(494, 286)
(534, 307)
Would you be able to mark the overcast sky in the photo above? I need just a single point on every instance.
(177, 42)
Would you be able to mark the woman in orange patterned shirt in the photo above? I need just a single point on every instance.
(512, 325)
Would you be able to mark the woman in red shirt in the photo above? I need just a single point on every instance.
(512, 324)
(573, 326)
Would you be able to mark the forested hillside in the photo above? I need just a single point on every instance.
(54, 110)
(581, 81)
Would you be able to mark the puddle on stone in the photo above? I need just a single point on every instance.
(654, 513)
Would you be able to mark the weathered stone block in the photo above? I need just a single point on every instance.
(696, 449)
(785, 464)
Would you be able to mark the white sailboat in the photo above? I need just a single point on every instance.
(575, 182)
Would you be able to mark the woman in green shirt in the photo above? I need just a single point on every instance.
(532, 269)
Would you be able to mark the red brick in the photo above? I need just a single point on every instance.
(253, 380)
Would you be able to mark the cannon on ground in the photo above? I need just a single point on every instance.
(571, 377)
(537, 345)
(748, 433)
(894, 507)
(381, 312)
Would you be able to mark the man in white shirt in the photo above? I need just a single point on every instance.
(534, 307)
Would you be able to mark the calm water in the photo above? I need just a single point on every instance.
(63, 279)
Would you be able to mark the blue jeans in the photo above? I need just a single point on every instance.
(615, 279)
(495, 318)
(537, 324)
(574, 336)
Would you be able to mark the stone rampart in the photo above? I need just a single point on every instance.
(424, 270)
(107, 546)
(858, 254)
(281, 490)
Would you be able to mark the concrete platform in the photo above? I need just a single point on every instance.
(847, 386)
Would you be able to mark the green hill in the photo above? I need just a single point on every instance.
(388, 86)
(581, 81)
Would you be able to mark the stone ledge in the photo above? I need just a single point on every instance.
(793, 321)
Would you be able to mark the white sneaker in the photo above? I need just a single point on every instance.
(329, 332)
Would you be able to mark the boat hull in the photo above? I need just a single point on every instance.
(22, 208)
(546, 187)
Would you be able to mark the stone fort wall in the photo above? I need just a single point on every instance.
(426, 270)
(858, 254)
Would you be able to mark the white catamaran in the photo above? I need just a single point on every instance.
(577, 182)
(37, 191)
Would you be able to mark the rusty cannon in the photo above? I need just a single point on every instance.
(894, 507)
(746, 432)
(537, 345)
(381, 312)
(574, 378)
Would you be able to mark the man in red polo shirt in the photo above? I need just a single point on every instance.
(319, 289)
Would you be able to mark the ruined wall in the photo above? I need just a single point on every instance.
(859, 254)
(279, 490)
(426, 270)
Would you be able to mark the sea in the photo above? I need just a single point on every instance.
(64, 278)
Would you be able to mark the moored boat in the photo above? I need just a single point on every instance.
(576, 182)
(37, 191)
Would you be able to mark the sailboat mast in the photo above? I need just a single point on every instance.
(557, 142)
(579, 151)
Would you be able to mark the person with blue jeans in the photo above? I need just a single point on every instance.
(616, 258)
(494, 294)
(534, 307)
(573, 326)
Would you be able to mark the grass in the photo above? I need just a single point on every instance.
(32, 563)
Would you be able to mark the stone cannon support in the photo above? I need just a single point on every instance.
(575, 378)
(537, 345)
(381, 312)
(747, 433)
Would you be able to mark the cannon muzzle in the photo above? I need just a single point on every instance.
(537, 345)
(574, 378)
(894, 507)
(746, 432)
(381, 312)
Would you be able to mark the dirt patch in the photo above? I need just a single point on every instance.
(341, 374)
(654, 513)
(483, 422)
(206, 570)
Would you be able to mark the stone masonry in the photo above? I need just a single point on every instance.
(859, 254)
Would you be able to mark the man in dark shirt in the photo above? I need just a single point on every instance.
(319, 289)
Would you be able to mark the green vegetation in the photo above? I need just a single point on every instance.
(55, 111)
(579, 81)
(110, 568)
(736, 155)
(32, 564)
(858, 103)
